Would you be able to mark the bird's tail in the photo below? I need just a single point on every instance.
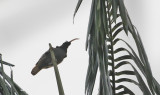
(35, 70)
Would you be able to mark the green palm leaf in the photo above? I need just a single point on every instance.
(109, 18)
(7, 85)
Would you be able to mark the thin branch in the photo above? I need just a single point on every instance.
(54, 62)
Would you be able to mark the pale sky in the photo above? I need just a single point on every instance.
(28, 26)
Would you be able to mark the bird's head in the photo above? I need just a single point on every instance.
(66, 44)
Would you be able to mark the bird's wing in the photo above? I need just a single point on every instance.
(44, 61)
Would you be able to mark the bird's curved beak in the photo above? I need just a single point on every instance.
(74, 39)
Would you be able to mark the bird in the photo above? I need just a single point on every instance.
(60, 53)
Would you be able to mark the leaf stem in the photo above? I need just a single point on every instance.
(112, 49)
(54, 62)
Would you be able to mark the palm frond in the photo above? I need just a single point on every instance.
(109, 18)
(7, 85)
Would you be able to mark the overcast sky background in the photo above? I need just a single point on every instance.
(27, 26)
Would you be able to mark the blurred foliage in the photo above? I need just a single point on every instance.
(109, 18)
(7, 85)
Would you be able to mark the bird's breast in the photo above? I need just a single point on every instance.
(60, 54)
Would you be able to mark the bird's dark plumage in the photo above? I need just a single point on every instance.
(45, 60)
